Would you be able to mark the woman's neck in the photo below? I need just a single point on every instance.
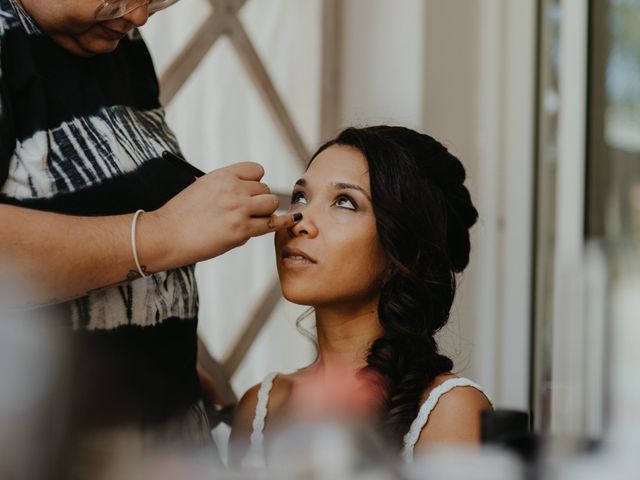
(345, 333)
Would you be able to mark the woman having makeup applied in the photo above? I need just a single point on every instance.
(384, 234)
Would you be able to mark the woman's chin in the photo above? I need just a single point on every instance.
(300, 297)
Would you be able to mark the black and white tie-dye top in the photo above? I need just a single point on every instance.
(84, 136)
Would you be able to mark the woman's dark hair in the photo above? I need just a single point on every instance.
(423, 216)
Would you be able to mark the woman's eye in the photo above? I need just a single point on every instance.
(346, 202)
(298, 198)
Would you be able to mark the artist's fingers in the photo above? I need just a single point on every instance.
(288, 220)
(260, 226)
(262, 205)
(247, 170)
(256, 188)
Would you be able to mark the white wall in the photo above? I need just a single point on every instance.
(382, 62)
(505, 175)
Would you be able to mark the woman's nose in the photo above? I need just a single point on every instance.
(305, 227)
(138, 16)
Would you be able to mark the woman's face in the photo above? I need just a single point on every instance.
(72, 24)
(332, 256)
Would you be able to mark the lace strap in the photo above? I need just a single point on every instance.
(411, 438)
(255, 456)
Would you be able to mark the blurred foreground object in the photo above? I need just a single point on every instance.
(33, 404)
(617, 458)
(44, 431)
(331, 451)
(457, 463)
(499, 426)
(509, 429)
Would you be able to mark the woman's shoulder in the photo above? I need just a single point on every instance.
(271, 392)
(452, 389)
(280, 390)
(260, 400)
(453, 406)
(245, 409)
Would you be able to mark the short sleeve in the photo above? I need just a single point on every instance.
(7, 136)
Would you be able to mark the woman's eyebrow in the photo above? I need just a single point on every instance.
(350, 186)
(338, 186)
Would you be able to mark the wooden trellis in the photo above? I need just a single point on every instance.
(224, 20)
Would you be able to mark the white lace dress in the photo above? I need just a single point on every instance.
(255, 457)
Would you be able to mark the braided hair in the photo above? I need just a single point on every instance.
(423, 216)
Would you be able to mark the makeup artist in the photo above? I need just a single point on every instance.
(104, 227)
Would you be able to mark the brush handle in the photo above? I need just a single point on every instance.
(182, 163)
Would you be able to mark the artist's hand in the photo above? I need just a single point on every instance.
(218, 212)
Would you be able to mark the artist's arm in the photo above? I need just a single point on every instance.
(63, 256)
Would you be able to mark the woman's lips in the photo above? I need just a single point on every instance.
(292, 257)
(295, 261)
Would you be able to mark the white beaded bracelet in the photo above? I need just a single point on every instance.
(134, 248)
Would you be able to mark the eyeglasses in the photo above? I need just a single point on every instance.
(111, 9)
